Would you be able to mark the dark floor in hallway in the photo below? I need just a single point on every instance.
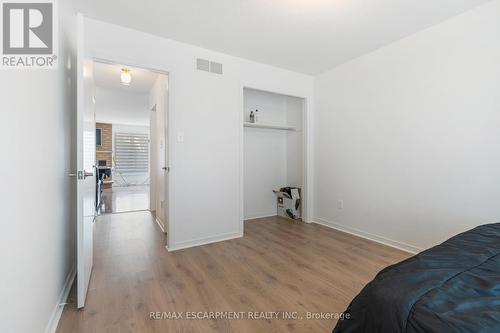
(119, 199)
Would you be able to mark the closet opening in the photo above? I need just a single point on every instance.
(274, 155)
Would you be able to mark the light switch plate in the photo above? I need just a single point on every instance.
(180, 136)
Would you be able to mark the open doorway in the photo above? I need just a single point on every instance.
(130, 108)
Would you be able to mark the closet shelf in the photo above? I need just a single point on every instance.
(269, 126)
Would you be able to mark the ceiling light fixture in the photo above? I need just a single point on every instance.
(126, 78)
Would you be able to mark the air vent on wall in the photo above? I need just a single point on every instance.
(215, 67)
(208, 66)
(203, 65)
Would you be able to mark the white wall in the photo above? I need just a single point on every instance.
(206, 108)
(121, 107)
(136, 178)
(409, 135)
(272, 158)
(295, 141)
(37, 242)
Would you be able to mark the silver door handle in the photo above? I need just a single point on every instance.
(87, 174)
(166, 169)
(81, 174)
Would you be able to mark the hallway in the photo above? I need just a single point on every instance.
(277, 266)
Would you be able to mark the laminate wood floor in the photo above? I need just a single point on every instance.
(278, 266)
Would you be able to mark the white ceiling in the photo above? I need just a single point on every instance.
(309, 36)
(108, 76)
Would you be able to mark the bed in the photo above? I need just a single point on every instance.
(452, 287)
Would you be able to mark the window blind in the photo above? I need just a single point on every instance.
(131, 152)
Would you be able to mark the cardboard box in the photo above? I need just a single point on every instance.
(288, 202)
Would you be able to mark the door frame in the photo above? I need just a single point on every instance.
(112, 60)
(306, 150)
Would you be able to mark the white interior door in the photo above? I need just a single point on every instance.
(86, 182)
(166, 154)
(162, 168)
(152, 159)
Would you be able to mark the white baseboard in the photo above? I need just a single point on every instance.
(204, 241)
(376, 238)
(59, 307)
(259, 216)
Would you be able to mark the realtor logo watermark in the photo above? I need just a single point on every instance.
(29, 37)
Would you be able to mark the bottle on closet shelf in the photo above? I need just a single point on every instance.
(252, 117)
(256, 116)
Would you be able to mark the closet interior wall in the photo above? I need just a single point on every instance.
(273, 158)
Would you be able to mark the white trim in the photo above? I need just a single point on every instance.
(307, 159)
(159, 224)
(366, 235)
(204, 241)
(108, 61)
(260, 216)
(59, 307)
(241, 174)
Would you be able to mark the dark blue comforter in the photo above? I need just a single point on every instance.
(452, 287)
